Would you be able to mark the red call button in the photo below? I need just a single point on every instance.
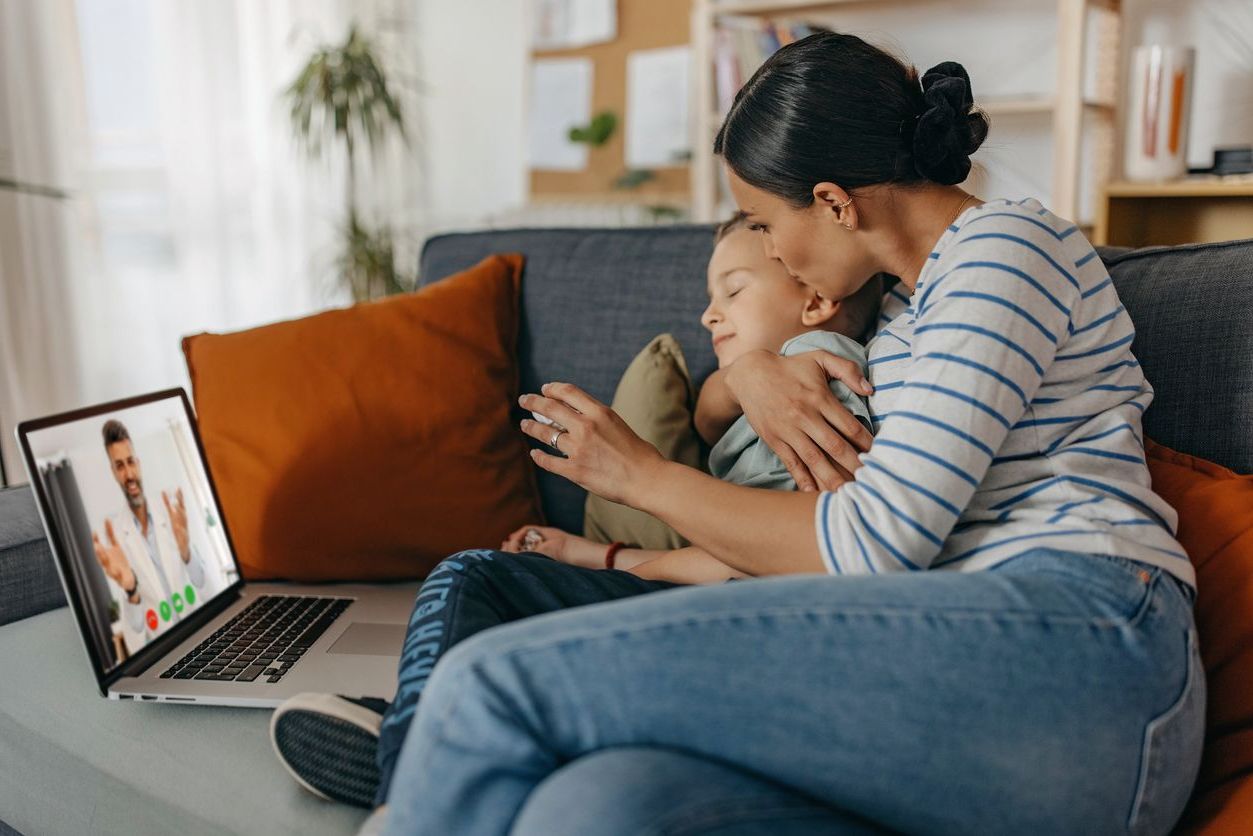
(152, 619)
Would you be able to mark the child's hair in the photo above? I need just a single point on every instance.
(737, 221)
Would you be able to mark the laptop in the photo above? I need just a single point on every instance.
(145, 556)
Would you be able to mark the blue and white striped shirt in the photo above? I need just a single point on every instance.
(1008, 407)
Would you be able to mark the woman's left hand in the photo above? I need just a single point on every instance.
(602, 454)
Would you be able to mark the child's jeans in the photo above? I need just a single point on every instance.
(474, 590)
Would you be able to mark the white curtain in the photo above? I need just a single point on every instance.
(38, 245)
(193, 208)
(208, 217)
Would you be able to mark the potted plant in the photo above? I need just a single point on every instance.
(342, 96)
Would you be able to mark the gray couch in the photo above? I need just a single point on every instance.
(71, 762)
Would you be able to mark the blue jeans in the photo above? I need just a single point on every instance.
(469, 593)
(1055, 693)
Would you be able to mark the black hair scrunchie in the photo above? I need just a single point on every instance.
(939, 146)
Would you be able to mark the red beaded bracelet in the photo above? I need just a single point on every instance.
(614, 548)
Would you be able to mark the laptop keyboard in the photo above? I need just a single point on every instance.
(265, 639)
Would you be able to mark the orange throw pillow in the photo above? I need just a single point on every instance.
(370, 442)
(1215, 508)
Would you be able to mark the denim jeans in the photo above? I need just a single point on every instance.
(470, 592)
(1054, 693)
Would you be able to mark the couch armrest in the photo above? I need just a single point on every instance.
(28, 576)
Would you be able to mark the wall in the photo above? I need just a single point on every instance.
(475, 110)
(1222, 32)
(471, 61)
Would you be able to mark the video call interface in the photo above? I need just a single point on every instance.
(130, 502)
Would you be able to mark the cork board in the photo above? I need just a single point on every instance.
(642, 24)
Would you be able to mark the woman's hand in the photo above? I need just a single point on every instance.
(557, 544)
(602, 454)
(788, 402)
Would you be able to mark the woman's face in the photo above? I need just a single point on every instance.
(811, 243)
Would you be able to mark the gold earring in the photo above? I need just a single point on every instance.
(842, 206)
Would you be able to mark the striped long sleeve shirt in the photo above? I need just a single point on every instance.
(1008, 412)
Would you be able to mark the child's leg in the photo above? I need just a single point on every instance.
(472, 591)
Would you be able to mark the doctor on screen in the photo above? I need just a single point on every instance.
(147, 551)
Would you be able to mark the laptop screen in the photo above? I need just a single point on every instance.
(142, 537)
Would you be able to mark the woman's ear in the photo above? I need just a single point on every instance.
(819, 310)
(836, 204)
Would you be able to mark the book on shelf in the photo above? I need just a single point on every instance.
(742, 44)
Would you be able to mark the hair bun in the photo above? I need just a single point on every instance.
(947, 132)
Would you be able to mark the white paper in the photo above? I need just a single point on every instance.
(657, 107)
(561, 99)
(569, 24)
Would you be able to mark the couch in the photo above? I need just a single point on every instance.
(71, 762)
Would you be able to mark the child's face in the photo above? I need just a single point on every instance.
(754, 303)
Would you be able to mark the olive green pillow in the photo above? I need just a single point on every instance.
(657, 400)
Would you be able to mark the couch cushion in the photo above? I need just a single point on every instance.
(1194, 337)
(91, 765)
(591, 299)
(28, 576)
(1216, 528)
(656, 399)
(370, 442)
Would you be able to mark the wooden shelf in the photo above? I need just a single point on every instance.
(1067, 109)
(1241, 186)
(1025, 105)
(1196, 210)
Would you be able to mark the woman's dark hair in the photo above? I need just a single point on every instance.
(833, 107)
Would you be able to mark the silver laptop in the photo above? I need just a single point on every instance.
(146, 559)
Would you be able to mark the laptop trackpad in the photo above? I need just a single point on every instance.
(363, 638)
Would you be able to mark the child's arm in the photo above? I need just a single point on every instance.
(689, 565)
(716, 408)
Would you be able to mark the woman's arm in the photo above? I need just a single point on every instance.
(754, 531)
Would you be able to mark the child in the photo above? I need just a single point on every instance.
(332, 745)
(754, 303)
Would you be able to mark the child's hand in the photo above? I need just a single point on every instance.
(557, 544)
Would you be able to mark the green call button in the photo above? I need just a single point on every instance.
(178, 602)
(165, 610)
(189, 592)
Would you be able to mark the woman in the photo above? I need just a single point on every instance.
(991, 629)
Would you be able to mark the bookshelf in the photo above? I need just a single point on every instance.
(1082, 108)
(1194, 210)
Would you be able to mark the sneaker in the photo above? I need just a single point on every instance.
(330, 745)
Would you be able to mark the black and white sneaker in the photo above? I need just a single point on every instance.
(330, 744)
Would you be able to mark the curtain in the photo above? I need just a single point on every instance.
(205, 215)
(38, 243)
(193, 208)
